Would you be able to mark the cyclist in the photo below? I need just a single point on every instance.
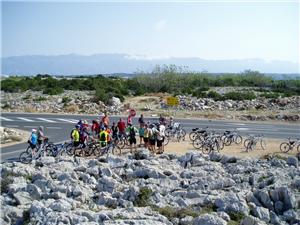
(40, 135)
(103, 137)
(105, 119)
(33, 141)
(115, 131)
(161, 138)
(75, 135)
(95, 128)
(141, 133)
(147, 130)
(122, 127)
(141, 119)
(162, 119)
(152, 137)
(132, 140)
(84, 136)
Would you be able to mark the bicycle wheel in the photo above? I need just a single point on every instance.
(88, 150)
(238, 139)
(250, 146)
(263, 144)
(25, 157)
(221, 144)
(116, 150)
(285, 147)
(28, 150)
(246, 142)
(197, 144)
(166, 141)
(206, 149)
(227, 141)
(120, 143)
(193, 135)
(70, 149)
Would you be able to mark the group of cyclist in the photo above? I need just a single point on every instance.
(151, 135)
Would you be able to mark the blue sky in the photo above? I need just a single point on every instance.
(229, 30)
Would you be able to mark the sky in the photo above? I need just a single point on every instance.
(208, 30)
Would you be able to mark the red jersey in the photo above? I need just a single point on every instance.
(121, 125)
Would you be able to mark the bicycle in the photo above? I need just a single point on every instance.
(27, 157)
(230, 137)
(211, 142)
(59, 149)
(197, 132)
(290, 145)
(250, 143)
(112, 146)
(175, 132)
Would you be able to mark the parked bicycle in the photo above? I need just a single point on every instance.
(59, 149)
(290, 145)
(251, 142)
(175, 132)
(210, 142)
(230, 137)
(197, 132)
(27, 156)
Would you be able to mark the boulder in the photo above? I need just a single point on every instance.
(209, 219)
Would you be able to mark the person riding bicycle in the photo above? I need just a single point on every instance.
(33, 141)
(75, 136)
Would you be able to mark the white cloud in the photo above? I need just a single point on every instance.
(160, 25)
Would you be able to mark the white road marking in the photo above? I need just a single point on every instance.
(242, 128)
(69, 120)
(30, 126)
(237, 124)
(5, 119)
(12, 125)
(25, 119)
(54, 128)
(49, 121)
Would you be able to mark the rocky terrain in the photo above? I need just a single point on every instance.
(8, 135)
(284, 109)
(145, 189)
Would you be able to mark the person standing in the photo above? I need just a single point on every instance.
(33, 142)
(141, 119)
(115, 131)
(152, 138)
(75, 136)
(105, 119)
(40, 135)
(132, 140)
(122, 127)
(103, 137)
(141, 133)
(161, 138)
(147, 130)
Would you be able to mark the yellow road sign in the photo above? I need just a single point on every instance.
(172, 101)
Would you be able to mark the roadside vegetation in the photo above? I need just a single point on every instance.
(170, 79)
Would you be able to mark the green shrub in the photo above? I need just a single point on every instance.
(249, 95)
(143, 197)
(66, 99)
(170, 212)
(53, 91)
(214, 95)
(40, 98)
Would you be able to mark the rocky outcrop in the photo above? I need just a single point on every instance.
(68, 102)
(169, 189)
(9, 135)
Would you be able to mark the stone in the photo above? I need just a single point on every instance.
(230, 202)
(250, 220)
(292, 161)
(61, 206)
(262, 213)
(209, 219)
(22, 198)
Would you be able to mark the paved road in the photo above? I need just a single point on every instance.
(58, 127)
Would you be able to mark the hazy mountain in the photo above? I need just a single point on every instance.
(73, 64)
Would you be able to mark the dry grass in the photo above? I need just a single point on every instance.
(30, 109)
(72, 108)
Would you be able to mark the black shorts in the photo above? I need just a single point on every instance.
(132, 141)
(152, 141)
(159, 143)
(40, 142)
(76, 143)
(146, 140)
(32, 146)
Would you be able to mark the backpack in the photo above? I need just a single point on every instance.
(103, 136)
(132, 132)
(71, 134)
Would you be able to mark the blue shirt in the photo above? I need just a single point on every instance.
(33, 139)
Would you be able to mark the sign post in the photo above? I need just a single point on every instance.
(172, 101)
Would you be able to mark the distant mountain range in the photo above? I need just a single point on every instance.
(73, 64)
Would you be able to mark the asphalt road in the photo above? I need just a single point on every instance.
(58, 127)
